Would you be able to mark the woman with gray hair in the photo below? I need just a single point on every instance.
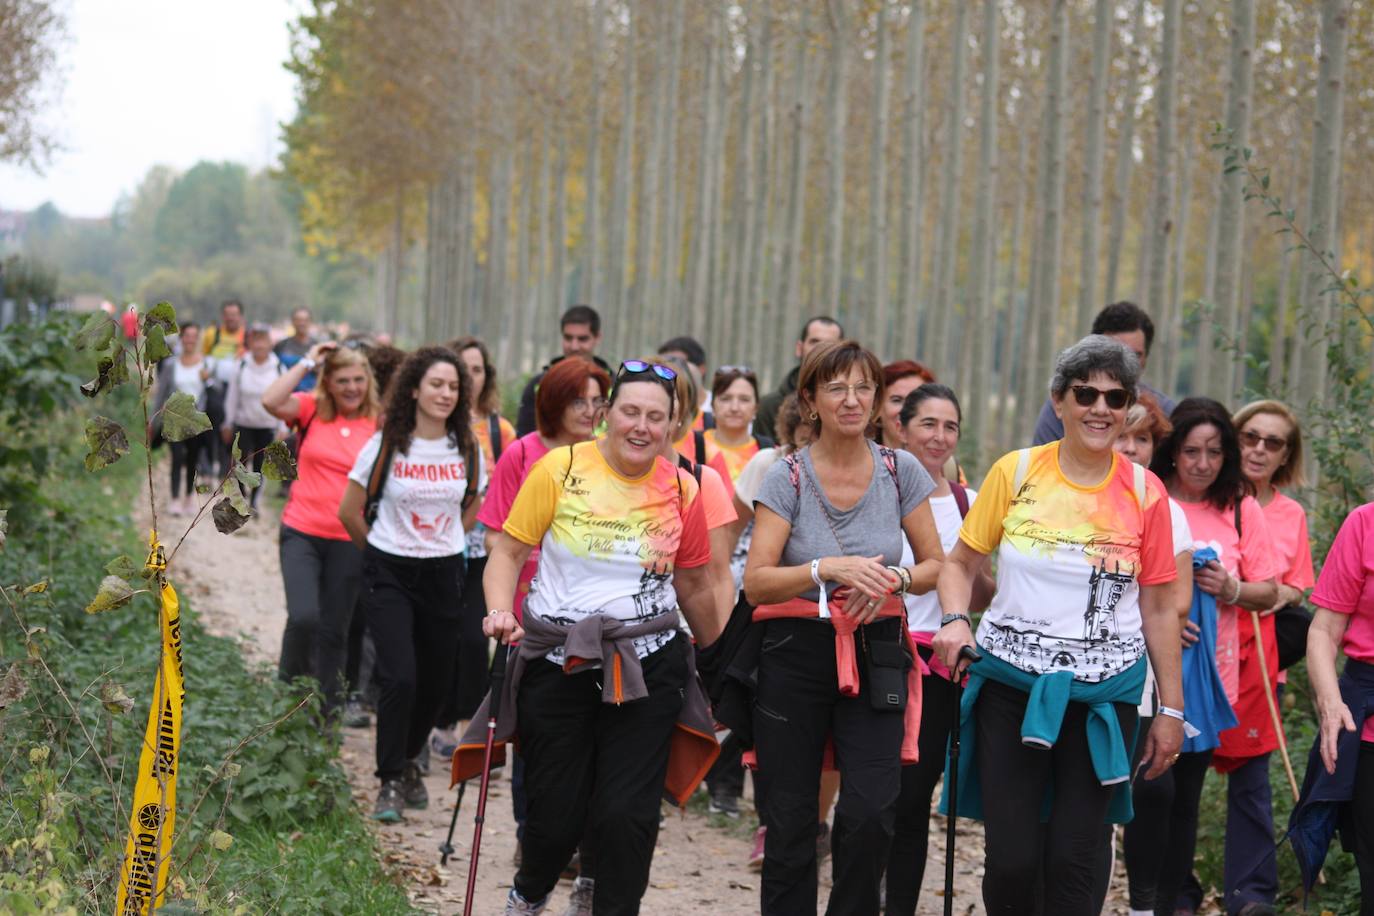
(1085, 554)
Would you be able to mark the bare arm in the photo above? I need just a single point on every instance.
(279, 399)
(955, 588)
(351, 513)
(1323, 641)
(697, 598)
(722, 580)
(1254, 596)
(470, 513)
(504, 560)
(765, 582)
(1159, 623)
(924, 538)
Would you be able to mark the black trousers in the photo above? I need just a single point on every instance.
(1060, 861)
(411, 607)
(595, 769)
(1173, 860)
(468, 683)
(1364, 827)
(252, 441)
(186, 456)
(906, 863)
(798, 706)
(321, 579)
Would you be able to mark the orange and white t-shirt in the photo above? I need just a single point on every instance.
(608, 543)
(729, 460)
(1070, 562)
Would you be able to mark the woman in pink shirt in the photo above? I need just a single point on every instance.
(320, 567)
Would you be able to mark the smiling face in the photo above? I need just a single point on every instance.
(1257, 462)
(1136, 444)
(637, 426)
(582, 413)
(933, 434)
(477, 370)
(1198, 462)
(893, 398)
(347, 385)
(1094, 428)
(735, 407)
(190, 341)
(438, 393)
(578, 340)
(845, 404)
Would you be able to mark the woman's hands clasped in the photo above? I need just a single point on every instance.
(868, 580)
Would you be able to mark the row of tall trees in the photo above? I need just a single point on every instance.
(966, 183)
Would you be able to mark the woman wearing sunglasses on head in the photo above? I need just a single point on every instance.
(1084, 560)
(602, 680)
(836, 663)
(1200, 462)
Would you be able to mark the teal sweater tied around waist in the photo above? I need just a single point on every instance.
(1050, 695)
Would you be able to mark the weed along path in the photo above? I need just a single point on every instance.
(699, 865)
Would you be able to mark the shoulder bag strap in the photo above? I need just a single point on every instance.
(376, 480)
(960, 497)
(1022, 467)
(494, 426)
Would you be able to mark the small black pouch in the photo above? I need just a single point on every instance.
(886, 664)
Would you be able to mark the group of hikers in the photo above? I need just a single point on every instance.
(696, 579)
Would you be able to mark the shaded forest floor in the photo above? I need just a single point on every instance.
(700, 860)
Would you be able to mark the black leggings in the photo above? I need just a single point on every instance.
(1363, 804)
(906, 862)
(185, 457)
(1024, 862)
(1161, 840)
(469, 681)
(252, 441)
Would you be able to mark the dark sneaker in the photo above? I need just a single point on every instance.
(412, 787)
(822, 842)
(726, 805)
(354, 716)
(580, 903)
(421, 759)
(390, 803)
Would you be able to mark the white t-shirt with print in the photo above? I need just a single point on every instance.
(923, 611)
(421, 511)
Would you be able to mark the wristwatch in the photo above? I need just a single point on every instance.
(950, 618)
(307, 362)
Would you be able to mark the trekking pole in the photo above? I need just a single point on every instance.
(446, 847)
(967, 652)
(1273, 707)
(498, 674)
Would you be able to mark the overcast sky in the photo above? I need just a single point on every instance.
(160, 81)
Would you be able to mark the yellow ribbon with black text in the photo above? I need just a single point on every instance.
(143, 876)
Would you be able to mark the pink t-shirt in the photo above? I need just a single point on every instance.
(326, 456)
(1287, 521)
(1346, 586)
(1249, 554)
(505, 482)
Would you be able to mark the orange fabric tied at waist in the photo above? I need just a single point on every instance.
(846, 658)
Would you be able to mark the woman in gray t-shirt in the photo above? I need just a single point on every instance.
(822, 571)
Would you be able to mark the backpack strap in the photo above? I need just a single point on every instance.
(472, 466)
(376, 480)
(494, 430)
(699, 441)
(1140, 491)
(692, 467)
(960, 497)
(1022, 467)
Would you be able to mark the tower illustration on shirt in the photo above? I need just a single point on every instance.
(651, 600)
(1105, 590)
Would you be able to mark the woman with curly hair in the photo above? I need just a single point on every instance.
(411, 496)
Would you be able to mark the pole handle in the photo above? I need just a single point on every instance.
(498, 675)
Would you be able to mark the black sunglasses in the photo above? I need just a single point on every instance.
(1087, 395)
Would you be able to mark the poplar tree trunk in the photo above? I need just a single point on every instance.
(544, 304)
(759, 305)
(982, 276)
(1125, 155)
(1230, 217)
(1278, 379)
(1157, 274)
(913, 124)
(1094, 141)
(642, 307)
(789, 292)
(498, 226)
(878, 327)
(837, 112)
(699, 261)
(1318, 307)
(1012, 338)
(1046, 302)
(522, 302)
(1171, 345)
(560, 225)
(737, 304)
(618, 238)
(669, 254)
(464, 279)
(947, 245)
(591, 219)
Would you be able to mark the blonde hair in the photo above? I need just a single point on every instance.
(688, 394)
(343, 358)
(1289, 473)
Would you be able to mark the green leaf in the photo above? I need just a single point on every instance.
(113, 698)
(107, 443)
(155, 345)
(246, 477)
(125, 567)
(161, 316)
(235, 452)
(114, 592)
(181, 420)
(220, 840)
(277, 463)
(111, 371)
(203, 488)
(96, 333)
(230, 513)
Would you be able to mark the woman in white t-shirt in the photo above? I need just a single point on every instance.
(929, 422)
(411, 496)
(186, 373)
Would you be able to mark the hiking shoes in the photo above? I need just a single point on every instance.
(580, 903)
(519, 906)
(443, 742)
(412, 786)
(354, 715)
(421, 759)
(724, 804)
(756, 854)
(390, 802)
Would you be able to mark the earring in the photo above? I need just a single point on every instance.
(814, 416)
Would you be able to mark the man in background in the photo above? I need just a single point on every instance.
(291, 350)
(816, 331)
(224, 344)
(580, 329)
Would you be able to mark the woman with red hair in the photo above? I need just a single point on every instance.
(899, 380)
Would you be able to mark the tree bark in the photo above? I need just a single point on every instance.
(669, 254)
(1094, 141)
(591, 219)
(1170, 343)
(641, 310)
(789, 292)
(913, 126)
(878, 328)
(618, 238)
(947, 245)
(1125, 155)
(1012, 338)
(837, 113)
(982, 276)
(1157, 273)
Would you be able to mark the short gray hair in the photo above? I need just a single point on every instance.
(1095, 353)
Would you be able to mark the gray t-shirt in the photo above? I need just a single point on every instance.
(870, 527)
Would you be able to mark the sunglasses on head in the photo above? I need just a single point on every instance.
(1087, 395)
(735, 370)
(639, 367)
(1271, 443)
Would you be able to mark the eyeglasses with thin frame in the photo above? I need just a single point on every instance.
(861, 390)
(582, 405)
(1087, 395)
(1272, 444)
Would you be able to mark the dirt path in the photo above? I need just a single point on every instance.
(699, 864)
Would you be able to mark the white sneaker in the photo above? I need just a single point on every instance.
(519, 906)
(580, 903)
